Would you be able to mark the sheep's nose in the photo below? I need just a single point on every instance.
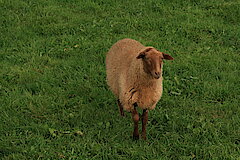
(157, 75)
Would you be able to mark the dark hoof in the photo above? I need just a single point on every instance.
(144, 138)
(122, 114)
(135, 137)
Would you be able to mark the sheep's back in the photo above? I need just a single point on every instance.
(118, 60)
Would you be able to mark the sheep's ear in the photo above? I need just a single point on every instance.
(141, 55)
(167, 57)
(143, 52)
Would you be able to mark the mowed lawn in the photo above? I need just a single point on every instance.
(54, 100)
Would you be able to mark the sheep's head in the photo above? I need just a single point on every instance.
(153, 61)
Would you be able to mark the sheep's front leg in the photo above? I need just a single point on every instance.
(144, 123)
(135, 118)
(120, 108)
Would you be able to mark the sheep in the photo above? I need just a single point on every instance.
(134, 75)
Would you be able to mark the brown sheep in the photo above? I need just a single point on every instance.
(134, 75)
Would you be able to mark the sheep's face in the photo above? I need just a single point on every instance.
(153, 61)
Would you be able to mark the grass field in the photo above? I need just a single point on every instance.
(54, 101)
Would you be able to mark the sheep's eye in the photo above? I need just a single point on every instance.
(149, 60)
(146, 58)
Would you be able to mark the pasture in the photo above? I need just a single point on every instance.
(54, 100)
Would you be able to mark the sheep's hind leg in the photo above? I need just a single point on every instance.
(135, 118)
(144, 123)
(120, 108)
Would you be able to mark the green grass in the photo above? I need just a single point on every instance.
(54, 101)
